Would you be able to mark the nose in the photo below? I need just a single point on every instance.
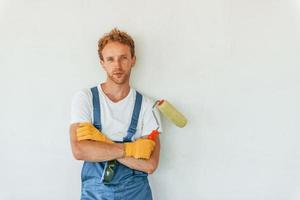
(118, 64)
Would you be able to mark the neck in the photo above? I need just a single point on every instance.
(115, 92)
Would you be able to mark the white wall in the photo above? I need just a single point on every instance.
(231, 66)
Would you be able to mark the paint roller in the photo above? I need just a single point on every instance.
(170, 112)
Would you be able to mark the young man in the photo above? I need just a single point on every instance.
(109, 128)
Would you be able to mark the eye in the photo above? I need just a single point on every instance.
(109, 59)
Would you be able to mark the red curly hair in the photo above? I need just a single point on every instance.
(115, 35)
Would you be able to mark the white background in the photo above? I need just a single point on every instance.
(231, 66)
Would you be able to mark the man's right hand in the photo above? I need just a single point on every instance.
(141, 148)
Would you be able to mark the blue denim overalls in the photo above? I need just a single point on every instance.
(127, 183)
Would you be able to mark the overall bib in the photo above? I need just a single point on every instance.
(126, 183)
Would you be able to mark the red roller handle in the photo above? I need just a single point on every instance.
(153, 134)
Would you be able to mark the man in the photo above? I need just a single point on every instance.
(109, 128)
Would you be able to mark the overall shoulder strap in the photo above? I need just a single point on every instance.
(135, 117)
(96, 108)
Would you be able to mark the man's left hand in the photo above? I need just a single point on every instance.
(86, 131)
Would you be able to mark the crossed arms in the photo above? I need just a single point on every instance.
(95, 151)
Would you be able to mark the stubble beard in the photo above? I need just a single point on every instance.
(119, 79)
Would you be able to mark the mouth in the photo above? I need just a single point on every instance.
(118, 73)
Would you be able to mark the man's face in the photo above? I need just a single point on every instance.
(117, 62)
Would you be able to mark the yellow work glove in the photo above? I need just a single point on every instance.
(141, 148)
(86, 131)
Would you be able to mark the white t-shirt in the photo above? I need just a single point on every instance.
(115, 117)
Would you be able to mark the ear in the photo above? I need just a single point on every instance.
(101, 63)
(133, 60)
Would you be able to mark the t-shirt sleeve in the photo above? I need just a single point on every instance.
(151, 120)
(81, 108)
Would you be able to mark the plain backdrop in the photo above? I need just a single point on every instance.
(231, 66)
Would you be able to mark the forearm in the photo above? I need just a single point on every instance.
(97, 151)
(148, 166)
(93, 151)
